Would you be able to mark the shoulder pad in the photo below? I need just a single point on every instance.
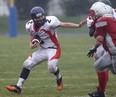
(28, 25)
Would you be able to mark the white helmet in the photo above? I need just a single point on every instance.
(98, 9)
(109, 11)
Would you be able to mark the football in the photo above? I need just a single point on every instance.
(36, 39)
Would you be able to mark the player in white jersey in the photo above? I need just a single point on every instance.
(42, 30)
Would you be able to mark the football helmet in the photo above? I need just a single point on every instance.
(107, 2)
(97, 10)
(109, 11)
(38, 16)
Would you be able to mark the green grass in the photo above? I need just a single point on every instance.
(77, 69)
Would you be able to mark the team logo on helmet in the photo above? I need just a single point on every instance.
(39, 15)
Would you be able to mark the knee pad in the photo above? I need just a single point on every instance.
(28, 64)
(100, 65)
(103, 62)
(52, 67)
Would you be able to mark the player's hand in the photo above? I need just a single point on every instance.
(91, 52)
(34, 44)
(83, 22)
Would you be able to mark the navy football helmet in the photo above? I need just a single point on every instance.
(38, 16)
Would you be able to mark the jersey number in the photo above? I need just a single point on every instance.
(48, 21)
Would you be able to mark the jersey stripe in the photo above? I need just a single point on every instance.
(57, 55)
(101, 24)
(53, 38)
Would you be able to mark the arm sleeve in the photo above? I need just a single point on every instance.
(101, 27)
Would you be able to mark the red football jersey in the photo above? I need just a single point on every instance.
(106, 27)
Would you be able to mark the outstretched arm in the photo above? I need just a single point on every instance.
(68, 25)
(72, 25)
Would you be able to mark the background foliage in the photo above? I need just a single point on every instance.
(72, 7)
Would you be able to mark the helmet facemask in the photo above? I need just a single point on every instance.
(39, 21)
(93, 15)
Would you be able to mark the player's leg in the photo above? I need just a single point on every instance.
(102, 82)
(112, 50)
(52, 67)
(54, 55)
(113, 58)
(102, 66)
(99, 53)
(34, 59)
(113, 67)
(23, 76)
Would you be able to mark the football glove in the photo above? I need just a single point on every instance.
(91, 51)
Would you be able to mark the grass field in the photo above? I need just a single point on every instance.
(77, 69)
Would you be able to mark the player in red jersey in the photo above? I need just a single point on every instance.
(105, 34)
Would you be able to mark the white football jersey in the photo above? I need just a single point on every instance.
(47, 32)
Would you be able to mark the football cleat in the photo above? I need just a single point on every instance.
(96, 94)
(59, 84)
(14, 88)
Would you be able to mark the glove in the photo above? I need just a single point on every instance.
(91, 51)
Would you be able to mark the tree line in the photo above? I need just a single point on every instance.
(71, 7)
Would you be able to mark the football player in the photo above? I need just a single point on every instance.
(104, 33)
(43, 33)
(100, 55)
